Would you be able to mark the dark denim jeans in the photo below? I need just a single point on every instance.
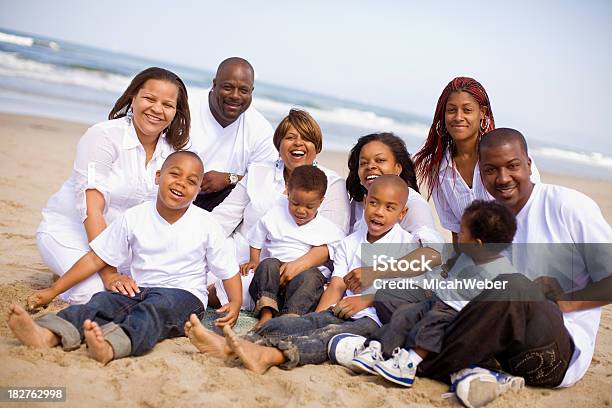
(300, 296)
(412, 325)
(303, 340)
(152, 315)
(525, 338)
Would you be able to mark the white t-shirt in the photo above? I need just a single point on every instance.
(281, 238)
(261, 189)
(555, 214)
(167, 255)
(347, 256)
(231, 149)
(452, 196)
(418, 220)
(110, 159)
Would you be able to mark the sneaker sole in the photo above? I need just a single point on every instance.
(482, 392)
(361, 367)
(406, 382)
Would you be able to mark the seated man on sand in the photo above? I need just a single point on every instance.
(172, 244)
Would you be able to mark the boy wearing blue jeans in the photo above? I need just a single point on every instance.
(172, 245)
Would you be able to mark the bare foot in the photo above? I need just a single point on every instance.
(98, 348)
(27, 331)
(253, 356)
(206, 341)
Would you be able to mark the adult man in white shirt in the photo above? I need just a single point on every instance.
(549, 343)
(226, 132)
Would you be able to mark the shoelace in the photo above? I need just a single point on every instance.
(396, 359)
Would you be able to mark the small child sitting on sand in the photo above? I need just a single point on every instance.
(172, 245)
(294, 237)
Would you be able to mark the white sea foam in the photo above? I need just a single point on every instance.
(586, 158)
(16, 39)
(12, 65)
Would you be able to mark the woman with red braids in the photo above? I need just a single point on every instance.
(448, 161)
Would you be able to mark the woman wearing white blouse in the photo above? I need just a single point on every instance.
(448, 161)
(384, 153)
(114, 170)
(298, 139)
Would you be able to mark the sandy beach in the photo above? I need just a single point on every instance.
(36, 157)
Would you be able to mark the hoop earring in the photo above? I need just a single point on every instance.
(484, 126)
(129, 115)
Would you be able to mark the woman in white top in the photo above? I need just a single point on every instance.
(385, 153)
(448, 161)
(298, 139)
(114, 170)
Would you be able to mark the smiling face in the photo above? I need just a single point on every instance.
(505, 171)
(384, 206)
(376, 159)
(154, 107)
(179, 182)
(231, 93)
(303, 205)
(295, 150)
(462, 116)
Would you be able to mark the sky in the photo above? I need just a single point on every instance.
(546, 64)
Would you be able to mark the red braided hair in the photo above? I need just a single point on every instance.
(427, 159)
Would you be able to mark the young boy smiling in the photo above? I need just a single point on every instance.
(172, 245)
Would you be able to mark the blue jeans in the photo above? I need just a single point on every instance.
(300, 296)
(303, 340)
(151, 316)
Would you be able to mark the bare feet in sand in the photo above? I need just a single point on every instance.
(27, 331)
(98, 348)
(253, 356)
(206, 341)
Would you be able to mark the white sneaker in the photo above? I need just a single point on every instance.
(476, 386)
(398, 369)
(342, 348)
(366, 358)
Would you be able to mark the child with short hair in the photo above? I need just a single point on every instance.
(294, 238)
(416, 329)
(172, 245)
(288, 341)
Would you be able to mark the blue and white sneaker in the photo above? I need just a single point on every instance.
(366, 358)
(342, 348)
(398, 369)
(476, 386)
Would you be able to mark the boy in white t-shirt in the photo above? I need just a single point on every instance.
(288, 341)
(294, 237)
(172, 245)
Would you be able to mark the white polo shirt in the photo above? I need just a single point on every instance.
(167, 255)
(347, 256)
(231, 149)
(555, 214)
(452, 196)
(281, 238)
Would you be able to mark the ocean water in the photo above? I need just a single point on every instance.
(57, 79)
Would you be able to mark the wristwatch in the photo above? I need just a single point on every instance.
(233, 179)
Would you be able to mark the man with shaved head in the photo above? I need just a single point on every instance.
(226, 132)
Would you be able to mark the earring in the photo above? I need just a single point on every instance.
(314, 162)
(484, 125)
(278, 163)
(129, 115)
